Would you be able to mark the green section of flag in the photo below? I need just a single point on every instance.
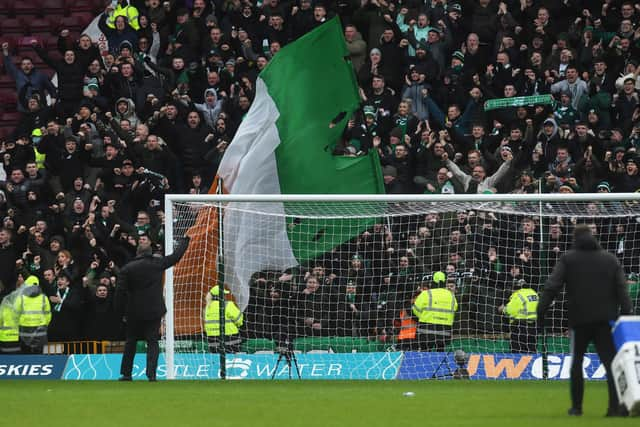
(311, 84)
(518, 101)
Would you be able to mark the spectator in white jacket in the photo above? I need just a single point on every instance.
(478, 181)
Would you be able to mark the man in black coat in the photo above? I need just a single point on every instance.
(597, 293)
(9, 253)
(139, 296)
(70, 79)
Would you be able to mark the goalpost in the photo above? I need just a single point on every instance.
(339, 273)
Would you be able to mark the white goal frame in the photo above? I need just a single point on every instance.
(170, 199)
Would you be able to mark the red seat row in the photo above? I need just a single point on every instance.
(45, 26)
(42, 8)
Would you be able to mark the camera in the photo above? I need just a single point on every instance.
(461, 358)
(284, 348)
(284, 345)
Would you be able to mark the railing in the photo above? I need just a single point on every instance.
(84, 347)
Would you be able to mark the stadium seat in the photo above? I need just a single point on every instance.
(53, 7)
(24, 48)
(85, 18)
(9, 119)
(6, 82)
(39, 63)
(27, 7)
(54, 20)
(24, 43)
(98, 6)
(4, 132)
(75, 6)
(9, 97)
(6, 8)
(11, 39)
(12, 26)
(53, 54)
(71, 23)
(51, 41)
(48, 71)
(40, 27)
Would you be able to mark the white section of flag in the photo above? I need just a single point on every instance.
(249, 167)
(96, 35)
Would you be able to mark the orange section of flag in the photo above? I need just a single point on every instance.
(196, 272)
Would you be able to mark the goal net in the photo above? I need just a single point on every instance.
(342, 274)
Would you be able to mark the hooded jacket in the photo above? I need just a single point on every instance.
(115, 37)
(130, 114)
(594, 281)
(549, 142)
(212, 110)
(357, 51)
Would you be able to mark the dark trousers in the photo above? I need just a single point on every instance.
(581, 336)
(433, 337)
(149, 330)
(524, 337)
(231, 344)
(408, 344)
(31, 349)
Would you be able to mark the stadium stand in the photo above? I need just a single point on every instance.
(425, 72)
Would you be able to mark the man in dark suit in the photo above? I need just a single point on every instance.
(139, 296)
(597, 293)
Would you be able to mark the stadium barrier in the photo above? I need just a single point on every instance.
(32, 367)
(555, 344)
(84, 347)
(338, 366)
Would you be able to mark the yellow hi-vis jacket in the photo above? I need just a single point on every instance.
(233, 316)
(40, 158)
(129, 12)
(9, 331)
(33, 311)
(522, 305)
(436, 307)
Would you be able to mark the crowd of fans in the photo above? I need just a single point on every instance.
(84, 172)
(363, 287)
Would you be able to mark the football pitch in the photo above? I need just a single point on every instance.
(299, 403)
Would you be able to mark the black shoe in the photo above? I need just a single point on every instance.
(574, 412)
(152, 379)
(125, 378)
(620, 411)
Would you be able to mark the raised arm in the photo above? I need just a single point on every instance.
(435, 111)
(8, 61)
(155, 46)
(171, 260)
(552, 287)
(500, 173)
(45, 56)
(458, 174)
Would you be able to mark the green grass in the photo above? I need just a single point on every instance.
(299, 403)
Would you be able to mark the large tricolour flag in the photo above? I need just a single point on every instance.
(284, 145)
